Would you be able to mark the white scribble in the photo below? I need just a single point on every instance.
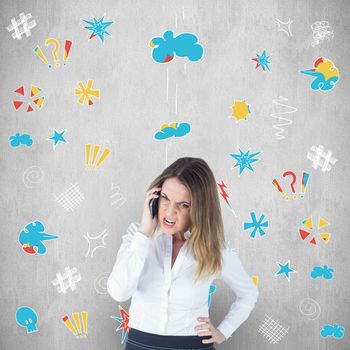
(117, 197)
(321, 30)
(278, 116)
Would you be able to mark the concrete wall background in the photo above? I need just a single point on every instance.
(137, 95)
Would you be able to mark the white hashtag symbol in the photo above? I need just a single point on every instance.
(22, 26)
(67, 280)
(321, 158)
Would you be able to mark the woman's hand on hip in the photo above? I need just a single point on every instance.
(207, 328)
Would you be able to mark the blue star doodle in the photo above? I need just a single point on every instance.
(244, 160)
(262, 61)
(98, 27)
(57, 137)
(256, 224)
(284, 269)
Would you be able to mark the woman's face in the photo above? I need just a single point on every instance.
(174, 205)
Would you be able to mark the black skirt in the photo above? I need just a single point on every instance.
(138, 340)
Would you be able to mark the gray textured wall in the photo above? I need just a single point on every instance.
(137, 96)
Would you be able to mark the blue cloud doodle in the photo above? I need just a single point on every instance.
(334, 330)
(319, 271)
(17, 140)
(183, 45)
(177, 130)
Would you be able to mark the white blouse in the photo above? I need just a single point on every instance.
(166, 300)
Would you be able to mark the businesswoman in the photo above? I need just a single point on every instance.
(167, 264)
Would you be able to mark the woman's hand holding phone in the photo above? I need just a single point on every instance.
(149, 224)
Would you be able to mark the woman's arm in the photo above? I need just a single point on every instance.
(130, 260)
(234, 274)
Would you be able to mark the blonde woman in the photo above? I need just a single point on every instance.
(168, 262)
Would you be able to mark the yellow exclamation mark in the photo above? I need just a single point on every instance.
(77, 322)
(96, 149)
(87, 154)
(103, 156)
(84, 316)
(69, 325)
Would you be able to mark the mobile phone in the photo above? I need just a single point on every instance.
(153, 206)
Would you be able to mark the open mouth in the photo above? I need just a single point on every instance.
(169, 222)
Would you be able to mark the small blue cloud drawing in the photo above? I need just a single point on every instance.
(183, 45)
(26, 317)
(98, 27)
(172, 130)
(212, 289)
(284, 269)
(244, 160)
(319, 271)
(334, 330)
(17, 140)
(256, 224)
(32, 236)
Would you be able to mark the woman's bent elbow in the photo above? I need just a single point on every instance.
(115, 292)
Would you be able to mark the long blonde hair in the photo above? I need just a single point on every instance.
(207, 229)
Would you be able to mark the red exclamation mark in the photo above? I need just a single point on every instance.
(67, 46)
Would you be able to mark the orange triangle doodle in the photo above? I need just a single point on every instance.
(303, 233)
(20, 90)
(17, 104)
